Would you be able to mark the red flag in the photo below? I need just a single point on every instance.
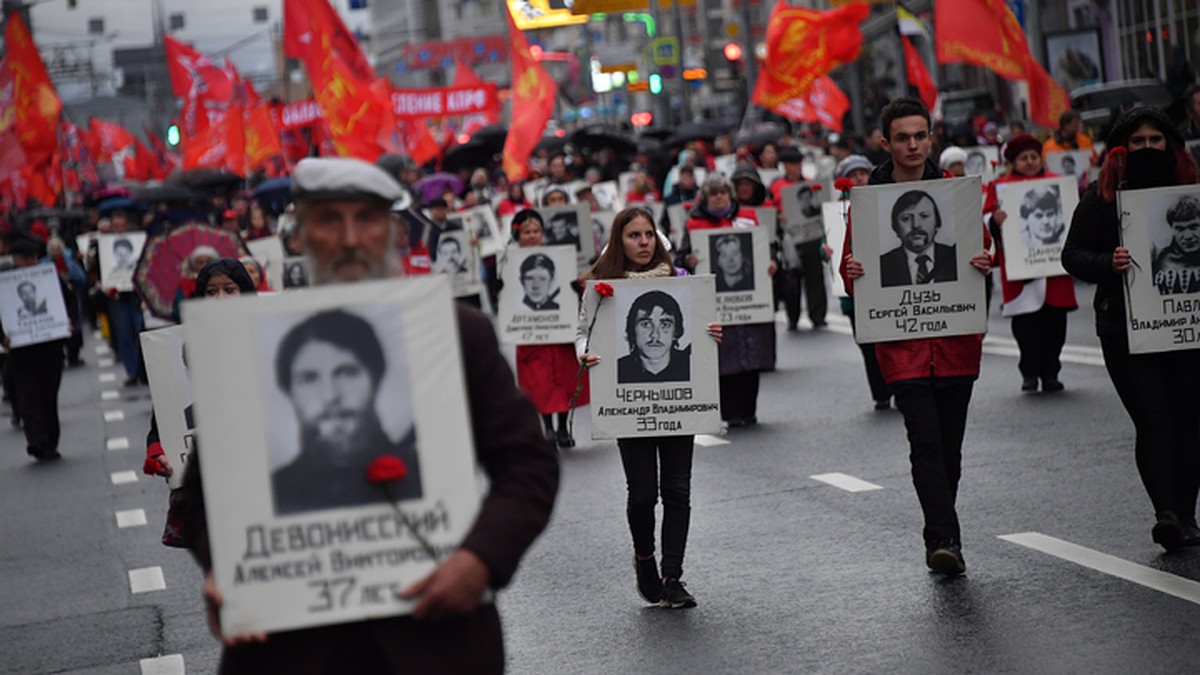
(465, 76)
(36, 104)
(262, 139)
(221, 146)
(194, 75)
(111, 138)
(804, 44)
(12, 157)
(149, 166)
(243, 90)
(824, 103)
(1001, 48)
(306, 23)
(168, 160)
(918, 76)
(533, 94)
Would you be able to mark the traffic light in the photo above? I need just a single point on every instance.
(641, 119)
(655, 83)
(173, 135)
(733, 52)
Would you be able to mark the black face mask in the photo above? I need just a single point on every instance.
(1150, 168)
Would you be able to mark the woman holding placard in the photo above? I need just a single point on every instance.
(653, 465)
(546, 373)
(746, 350)
(1158, 389)
(1038, 307)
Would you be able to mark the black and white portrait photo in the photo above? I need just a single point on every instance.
(1176, 265)
(450, 257)
(976, 164)
(1073, 163)
(294, 273)
(31, 303)
(539, 284)
(562, 227)
(1042, 221)
(32, 308)
(123, 256)
(733, 261)
(801, 213)
(330, 367)
(981, 161)
(654, 334)
(917, 250)
(119, 255)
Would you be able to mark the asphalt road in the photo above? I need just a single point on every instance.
(793, 574)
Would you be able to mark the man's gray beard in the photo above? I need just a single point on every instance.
(388, 268)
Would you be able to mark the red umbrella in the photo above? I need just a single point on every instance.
(165, 257)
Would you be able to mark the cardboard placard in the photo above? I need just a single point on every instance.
(1037, 213)
(537, 304)
(32, 307)
(738, 258)
(119, 255)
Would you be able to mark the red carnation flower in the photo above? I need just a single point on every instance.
(1119, 152)
(604, 290)
(816, 187)
(843, 185)
(386, 468)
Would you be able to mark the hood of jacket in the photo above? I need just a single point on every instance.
(750, 173)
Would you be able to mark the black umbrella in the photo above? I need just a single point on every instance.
(205, 180)
(394, 164)
(657, 133)
(759, 135)
(551, 144)
(691, 131)
(649, 145)
(599, 136)
(469, 155)
(274, 194)
(492, 136)
(164, 193)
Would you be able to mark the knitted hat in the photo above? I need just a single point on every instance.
(1016, 146)
(952, 155)
(851, 163)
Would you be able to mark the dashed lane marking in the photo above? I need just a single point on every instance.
(131, 518)
(992, 344)
(1164, 582)
(106, 363)
(123, 477)
(114, 415)
(706, 440)
(170, 664)
(118, 443)
(101, 350)
(107, 377)
(846, 482)
(146, 579)
(110, 395)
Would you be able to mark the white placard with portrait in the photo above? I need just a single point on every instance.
(608, 196)
(725, 164)
(657, 374)
(32, 307)
(1037, 213)
(738, 258)
(171, 395)
(833, 214)
(119, 255)
(802, 212)
(295, 273)
(269, 253)
(768, 219)
(537, 304)
(1073, 163)
(677, 217)
(601, 228)
(982, 162)
(915, 242)
(482, 223)
(292, 517)
(1161, 229)
(570, 225)
(456, 258)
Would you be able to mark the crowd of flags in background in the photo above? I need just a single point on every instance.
(225, 124)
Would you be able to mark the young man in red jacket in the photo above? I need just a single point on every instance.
(930, 378)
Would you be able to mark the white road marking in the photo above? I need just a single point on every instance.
(706, 440)
(106, 363)
(995, 345)
(123, 477)
(1164, 582)
(107, 377)
(171, 664)
(101, 350)
(846, 482)
(118, 443)
(97, 335)
(146, 579)
(114, 415)
(110, 395)
(131, 518)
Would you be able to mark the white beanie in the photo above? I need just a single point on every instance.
(952, 155)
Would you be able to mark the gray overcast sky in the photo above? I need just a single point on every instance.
(211, 25)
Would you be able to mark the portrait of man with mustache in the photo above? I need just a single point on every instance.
(653, 328)
(919, 259)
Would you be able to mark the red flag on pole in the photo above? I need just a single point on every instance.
(465, 76)
(918, 76)
(111, 138)
(533, 94)
(221, 146)
(194, 74)
(803, 45)
(986, 33)
(262, 139)
(824, 103)
(36, 106)
(308, 23)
